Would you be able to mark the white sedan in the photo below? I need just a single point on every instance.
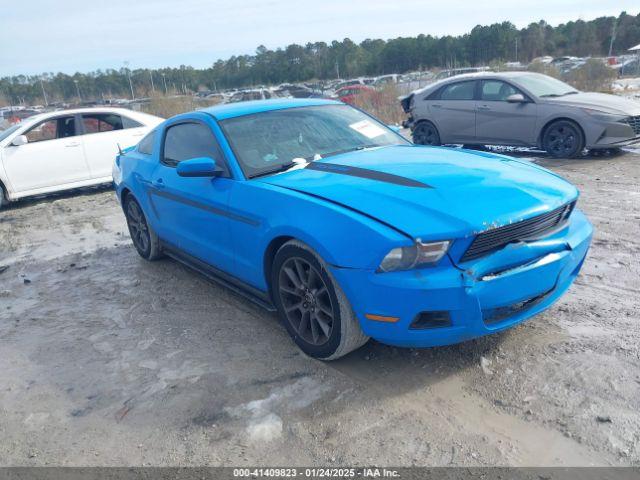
(66, 149)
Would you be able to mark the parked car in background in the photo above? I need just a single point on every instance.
(315, 209)
(13, 116)
(453, 72)
(353, 81)
(390, 79)
(251, 94)
(520, 109)
(66, 149)
(293, 90)
(350, 93)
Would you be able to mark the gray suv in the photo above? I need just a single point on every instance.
(520, 109)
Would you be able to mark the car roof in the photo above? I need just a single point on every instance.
(231, 110)
(97, 108)
(476, 75)
(141, 116)
(74, 111)
(473, 76)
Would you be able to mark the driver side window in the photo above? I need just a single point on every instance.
(496, 91)
(191, 140)
(52, 129)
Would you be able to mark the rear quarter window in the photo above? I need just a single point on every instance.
(146, 144)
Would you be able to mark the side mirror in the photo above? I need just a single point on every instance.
(516, 98)
(20, 140)
(199, 167)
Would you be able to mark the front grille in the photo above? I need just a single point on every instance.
(528, 229)
(634, 122)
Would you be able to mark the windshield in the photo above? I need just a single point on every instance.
(543, 86)
(5, 133)
(267, 142)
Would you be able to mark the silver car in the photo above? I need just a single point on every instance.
(520, 109)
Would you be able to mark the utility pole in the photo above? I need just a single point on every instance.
(338, 69)
(78, 90)
(126, 66)
(44, 94)
(153, 88)
(613, 36)
(164, 80)
(516, 49)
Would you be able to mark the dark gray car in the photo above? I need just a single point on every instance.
(520, 109)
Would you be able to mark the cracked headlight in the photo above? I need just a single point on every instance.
(419, 254)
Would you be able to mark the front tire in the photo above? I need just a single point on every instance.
(144, 239)
(563, 139)
(426, 133)
(311, 304)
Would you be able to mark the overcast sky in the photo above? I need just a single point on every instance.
(79, 35)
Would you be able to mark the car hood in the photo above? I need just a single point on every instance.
(599, 101)
(431, 192)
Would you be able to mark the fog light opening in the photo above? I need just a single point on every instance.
(427, 320)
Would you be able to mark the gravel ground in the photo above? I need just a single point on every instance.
(110, 360)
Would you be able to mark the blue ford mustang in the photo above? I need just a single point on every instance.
(317, 210)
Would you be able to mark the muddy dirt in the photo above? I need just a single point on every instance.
(110, 360)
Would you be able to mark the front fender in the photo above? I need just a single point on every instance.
(342, 237)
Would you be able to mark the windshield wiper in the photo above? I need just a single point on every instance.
(280, 168)
(287, 166)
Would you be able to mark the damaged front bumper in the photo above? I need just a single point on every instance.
(408, 122)
(450, 304)
(615, 134)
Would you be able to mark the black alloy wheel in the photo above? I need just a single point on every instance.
(306, 301)
(563, 139)
(138, 228)
(426, 133)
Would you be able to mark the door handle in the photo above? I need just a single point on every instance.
(436, 105)
(159, 184)
(72, 144)
(484, 107)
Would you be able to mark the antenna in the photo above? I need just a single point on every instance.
(119, 149)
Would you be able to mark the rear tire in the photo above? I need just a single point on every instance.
(426, 133)
(563, 139)
(144, 238)
(4, 201)
(311, 304)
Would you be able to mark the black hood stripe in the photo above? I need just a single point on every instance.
(366, 173)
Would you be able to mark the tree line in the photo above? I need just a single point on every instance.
(499, 42)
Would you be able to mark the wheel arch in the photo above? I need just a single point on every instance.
(4, 193)
(544, 128)
(125, 192)
(269, 255)
(426, 120)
